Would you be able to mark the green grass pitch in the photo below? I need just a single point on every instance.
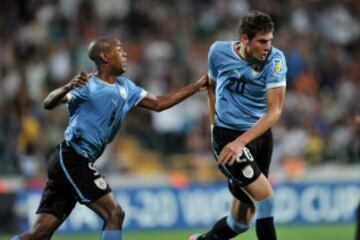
(296, 232)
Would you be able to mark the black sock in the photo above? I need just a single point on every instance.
(220, 231)
(265, 229)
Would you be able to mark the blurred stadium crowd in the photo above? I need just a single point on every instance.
(43, 43)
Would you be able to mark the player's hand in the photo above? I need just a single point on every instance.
(79, 80)
(203, 82)
(230, 152)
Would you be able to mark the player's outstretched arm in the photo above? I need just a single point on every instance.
(211, 102)
(159, 103)
(58, 96)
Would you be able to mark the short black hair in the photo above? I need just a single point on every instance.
(97, 46)
(255, 22)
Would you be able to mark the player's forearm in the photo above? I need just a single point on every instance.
(211, 103)
(56, 97)
(175, 97)
(261, 126)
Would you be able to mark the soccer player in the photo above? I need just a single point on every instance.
(248, 89)
(97, 106)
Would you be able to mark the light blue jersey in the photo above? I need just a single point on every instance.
(241, 86)
(96, 111)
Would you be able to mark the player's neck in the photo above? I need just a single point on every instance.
(106, 76)
(240, 49)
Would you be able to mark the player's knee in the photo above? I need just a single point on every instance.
(236, 226)
(265, 208)
(263, 193)
(117, 216)
(120, 214)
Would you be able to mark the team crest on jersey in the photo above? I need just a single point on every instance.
(248, 172)
(100, 183)
(277, 66)
(123, 92)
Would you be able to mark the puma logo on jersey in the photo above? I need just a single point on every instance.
(254, 72)
(255, 69)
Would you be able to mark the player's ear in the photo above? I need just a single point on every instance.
(103, 57)
(244, 39)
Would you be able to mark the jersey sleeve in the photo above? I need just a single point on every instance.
(276, 72)
(78, 95)
(136, 93)
(213, 72)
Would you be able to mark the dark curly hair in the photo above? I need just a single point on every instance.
(255, 22)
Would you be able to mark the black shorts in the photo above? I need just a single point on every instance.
(242, 173)
(71, 178)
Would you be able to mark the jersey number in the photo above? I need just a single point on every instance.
(236, 85)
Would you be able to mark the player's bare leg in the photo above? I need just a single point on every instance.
(260, 189)
(44, 228)
(112, 214)
(242, 212)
